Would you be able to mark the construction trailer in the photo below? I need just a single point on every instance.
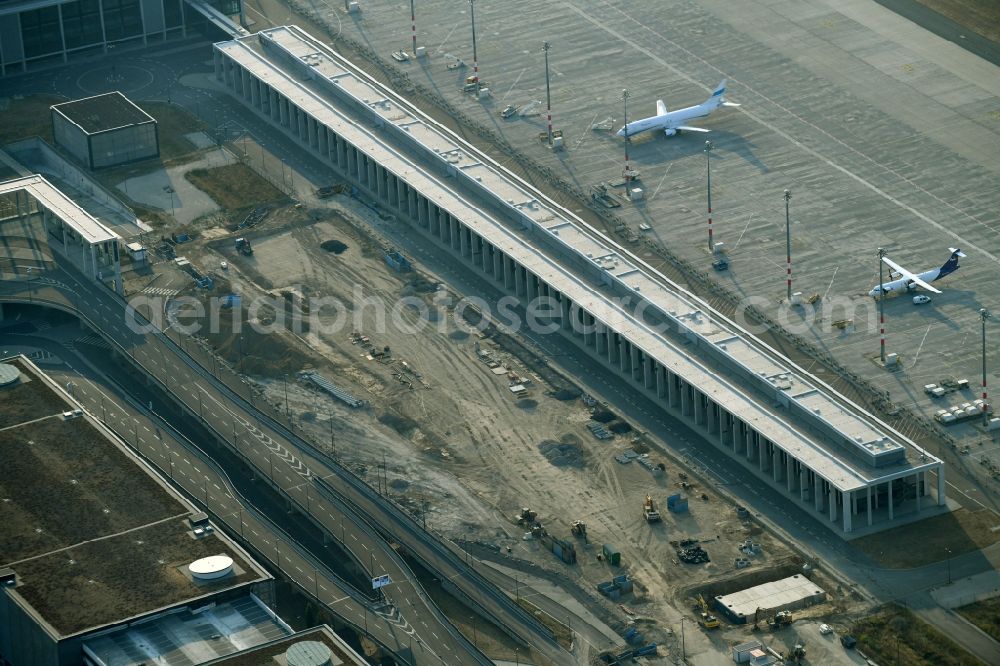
(612, 555)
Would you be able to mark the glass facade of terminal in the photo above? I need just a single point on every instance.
(33, 30)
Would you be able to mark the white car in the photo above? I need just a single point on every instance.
(825, 629)
(920, 299)
(224, 265)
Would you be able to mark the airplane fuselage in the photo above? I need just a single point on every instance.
(906, 283)
(666, 121)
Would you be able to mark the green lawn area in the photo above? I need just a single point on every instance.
(173, 123)
(985, 615)
(27, 117)
(894, 635)
(234, 186)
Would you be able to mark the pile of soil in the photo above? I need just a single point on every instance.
(561, 454)
(603, 416)
(620, 427)
(334, 246)
(567, 394)
(527, 403)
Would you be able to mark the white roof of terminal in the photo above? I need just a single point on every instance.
(57, 203)
(329, 75)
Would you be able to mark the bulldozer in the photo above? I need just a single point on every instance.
(579, 529)
(705, 619)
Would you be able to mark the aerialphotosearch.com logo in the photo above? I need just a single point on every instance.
(442, 313)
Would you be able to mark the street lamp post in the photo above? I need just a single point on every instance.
(475, 58)
(683, 650)
(983, 316)
(413, 27)
(948, 550)
(708, 169)
(548, 95)
(788, 246)
(881, 308)
(628, 171)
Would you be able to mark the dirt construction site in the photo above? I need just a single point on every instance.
(466, 425)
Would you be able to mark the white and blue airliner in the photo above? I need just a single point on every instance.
(672, 122)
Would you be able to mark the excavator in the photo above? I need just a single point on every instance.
(706, 619)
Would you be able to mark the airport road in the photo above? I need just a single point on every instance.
(309, 482)
(194, 472)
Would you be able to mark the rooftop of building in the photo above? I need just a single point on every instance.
(273, 654)
(191, 636)
(43, 193)
(101, 113)
(94, 537)
(775, 594)
(838, 439)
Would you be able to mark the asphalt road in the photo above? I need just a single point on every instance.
(343, 505)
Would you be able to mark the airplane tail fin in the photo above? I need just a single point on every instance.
(952, 264)
(718, 95)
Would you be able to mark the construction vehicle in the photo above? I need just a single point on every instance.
(796, 654)
(244, 247)
(527, 517)
(508, 111)
(706, 619)
(579, 529)
(780, 619)
(649, 510)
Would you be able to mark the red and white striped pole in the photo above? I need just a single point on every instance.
(628, 171)
(708, 167)
(548, 95)
(983, 316)
(788, 246)
(475, 59)
(881, 309)
(413, 27)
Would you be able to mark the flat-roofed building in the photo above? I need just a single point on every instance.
(787, 427)
(93, 543)
(789, 594)
(105, 130)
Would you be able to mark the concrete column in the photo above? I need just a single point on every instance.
(565, 313)
(519, 273)
(685, 399)
(817, 488)
(833, 504)
(892, 509)
(802, 483)
(789, 472)
(497, 265)
(651, 374)
(601, 339)
(613, 343)
(941, 487)
(869, 505)
(848, 506)
(919, 489)
(635, 363)
(510, 274)
(590, 330)
(661, 381)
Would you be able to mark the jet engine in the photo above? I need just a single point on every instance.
(670, 132)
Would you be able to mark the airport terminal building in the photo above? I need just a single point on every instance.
(37, 31)
(790, 430)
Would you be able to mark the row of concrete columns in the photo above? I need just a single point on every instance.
(670, 390)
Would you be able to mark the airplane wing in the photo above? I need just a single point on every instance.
(686, 128)
(661, 108)
(908, 275)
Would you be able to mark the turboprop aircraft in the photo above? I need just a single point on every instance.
(908, 280)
